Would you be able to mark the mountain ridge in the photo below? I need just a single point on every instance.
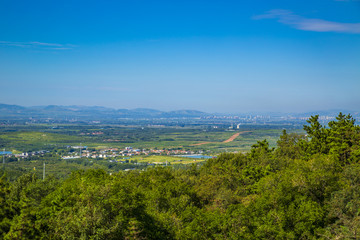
(11, 111)
(51, 111)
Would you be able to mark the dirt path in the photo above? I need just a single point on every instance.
(232, 138)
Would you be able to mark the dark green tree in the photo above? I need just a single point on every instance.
(288, 146)
(343, 137)
(318, 137)
(6, 211)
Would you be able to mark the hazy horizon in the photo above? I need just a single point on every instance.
(345, 111)
(225, 57)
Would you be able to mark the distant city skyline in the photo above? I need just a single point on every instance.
(211, 56)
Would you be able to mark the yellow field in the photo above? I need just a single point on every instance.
(163, 159)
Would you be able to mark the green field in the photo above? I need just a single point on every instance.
(166, 159)
(57, 142)
(34, 138)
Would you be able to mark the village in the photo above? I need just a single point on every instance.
(85, 152)
(106, 153)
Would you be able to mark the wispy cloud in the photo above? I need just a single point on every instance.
(38, 45)
(309, 24)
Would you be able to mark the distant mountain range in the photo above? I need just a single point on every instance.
(86, 112)
(103, 113)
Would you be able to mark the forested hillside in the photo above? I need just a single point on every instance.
(306, 188)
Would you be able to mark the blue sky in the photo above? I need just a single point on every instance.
(214, 56)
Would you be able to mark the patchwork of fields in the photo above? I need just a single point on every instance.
(36, 138)
(160, 142)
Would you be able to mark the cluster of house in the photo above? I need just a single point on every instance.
(93, 133)
(29, 154)
(126, 152)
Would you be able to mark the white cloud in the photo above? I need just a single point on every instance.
(309, 24)
(38, 45)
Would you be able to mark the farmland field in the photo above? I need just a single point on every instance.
(161, 142)
(33, 138)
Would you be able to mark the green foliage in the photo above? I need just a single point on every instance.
(94, 205)
(6, 211)
(25, 197)
(343, 138)
(318, 135)
(288, 146)
(306, 188)
(344, 206)
(340, 139)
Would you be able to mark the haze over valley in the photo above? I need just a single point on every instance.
(180, 119)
